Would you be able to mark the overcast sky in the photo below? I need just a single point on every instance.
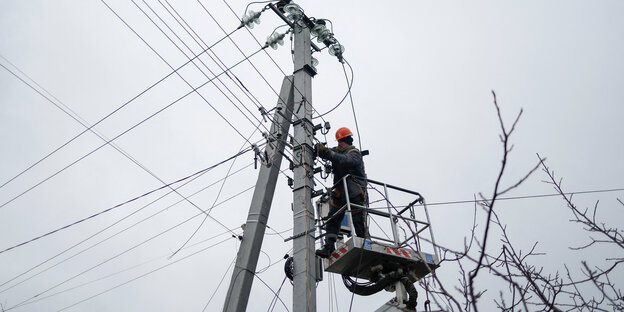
(423, 72)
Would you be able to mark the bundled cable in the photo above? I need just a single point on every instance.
(411, 292)
(369, 288)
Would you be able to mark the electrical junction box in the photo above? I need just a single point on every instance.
(322, 210)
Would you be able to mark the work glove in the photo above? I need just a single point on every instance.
(322, 150)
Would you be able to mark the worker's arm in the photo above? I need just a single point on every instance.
(350, 159)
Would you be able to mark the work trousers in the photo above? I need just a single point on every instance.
(333, 225)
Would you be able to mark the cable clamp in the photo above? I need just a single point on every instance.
(264, 157)
(263, 112)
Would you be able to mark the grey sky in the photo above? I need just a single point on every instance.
(423, 75)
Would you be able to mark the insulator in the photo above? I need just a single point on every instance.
(317, 29)
(250, 18)
(323, 35)
(314, 62)
(336, 49)
(293, 11)
(274, 39)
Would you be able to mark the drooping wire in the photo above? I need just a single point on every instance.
(357, 128)
(349, 85)
(117, 233)
(274, 300)
(128, 201)
(227, 174)
(29, 300)
(273, 291)
(256, 2)
(220, 282)
(258, 277)
(143, 275)
(123, 270)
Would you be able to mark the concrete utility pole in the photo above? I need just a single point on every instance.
(247, 258)
(304, 293)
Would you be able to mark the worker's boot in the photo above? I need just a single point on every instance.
(327, 249)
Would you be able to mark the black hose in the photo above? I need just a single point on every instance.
(369, 289)
(411, 292)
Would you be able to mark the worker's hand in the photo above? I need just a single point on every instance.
(321, 150)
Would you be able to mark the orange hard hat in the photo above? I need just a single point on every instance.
(343, 133)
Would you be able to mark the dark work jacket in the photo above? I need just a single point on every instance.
(349, 161)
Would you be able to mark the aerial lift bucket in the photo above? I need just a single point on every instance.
(390, 263)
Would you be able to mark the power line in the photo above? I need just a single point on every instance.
(280, 68)
(83, 123)
(122, 271)
(180, 49)
(220, 282)
(194, 90)
(142, 275)
(227, 174)
(472, 201)
(73, 115)
(29, 300)
(119, 232)
(238, 82)
(220, 63)
(127, 202)
(343, 98)
(357, 128)
(206, 66)
(116, 110)
(260, 44)
(250, 62)
(524, 197)
(243, 87)
(254, 66)
(123, 133)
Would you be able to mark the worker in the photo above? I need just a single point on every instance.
(346, 160)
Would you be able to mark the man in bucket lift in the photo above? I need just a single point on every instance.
(345, 159)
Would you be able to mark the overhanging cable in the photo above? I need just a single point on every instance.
(472, 201)
(241, 84)
(123, 133)
(142, 275)
(29, 300)
(349, 85)
(357, 128)
(84, 124)
(124, 270)
(117, 233)
(124, 203)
